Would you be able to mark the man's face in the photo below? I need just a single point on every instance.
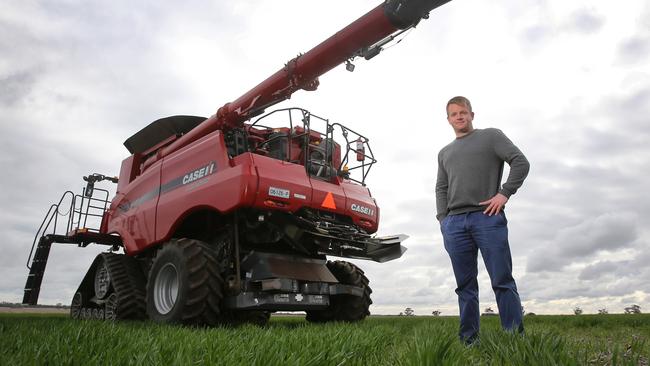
(460, 118)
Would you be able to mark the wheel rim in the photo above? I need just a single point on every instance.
(166, 289)
(102, 281)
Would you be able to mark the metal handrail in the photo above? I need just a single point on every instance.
(52, 215)
(85, 202)
(78, 208)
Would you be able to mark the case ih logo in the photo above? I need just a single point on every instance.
(199, 173)
(362, 209)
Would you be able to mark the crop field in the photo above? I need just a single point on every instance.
(54, 339)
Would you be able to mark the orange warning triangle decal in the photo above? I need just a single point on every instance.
(328, 202)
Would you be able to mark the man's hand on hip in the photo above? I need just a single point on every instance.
(494, 204)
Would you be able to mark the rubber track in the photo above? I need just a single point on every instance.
(129, 285)
(203, 304)
(347, 308)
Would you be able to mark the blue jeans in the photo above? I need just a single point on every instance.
(464, 235)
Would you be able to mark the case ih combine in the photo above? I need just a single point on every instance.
(232, 217)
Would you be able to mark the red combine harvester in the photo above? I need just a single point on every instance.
(230, 218)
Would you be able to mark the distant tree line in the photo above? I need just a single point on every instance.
(6, 304)
(632, 309)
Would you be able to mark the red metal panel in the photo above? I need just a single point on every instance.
(195, 177)
(133, 211)
(129, 170)
(320, 191)
(282, 185)
(361, 206)
(237, 185)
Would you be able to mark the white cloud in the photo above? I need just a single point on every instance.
(609, 232)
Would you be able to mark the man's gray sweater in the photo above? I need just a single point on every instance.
(470, 170)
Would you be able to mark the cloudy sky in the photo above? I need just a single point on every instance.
(568, 82)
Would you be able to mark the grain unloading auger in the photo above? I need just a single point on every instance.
(231, 217)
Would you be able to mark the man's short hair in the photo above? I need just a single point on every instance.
(459, 101)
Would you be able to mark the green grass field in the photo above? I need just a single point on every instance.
(39, 339)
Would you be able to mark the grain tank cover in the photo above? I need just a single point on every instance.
(160, 130)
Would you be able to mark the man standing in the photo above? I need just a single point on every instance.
(470, 202)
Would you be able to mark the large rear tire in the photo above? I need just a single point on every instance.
(184, 284)
(348, 308)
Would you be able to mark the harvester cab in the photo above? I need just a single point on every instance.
(232, 217)
(302, 142)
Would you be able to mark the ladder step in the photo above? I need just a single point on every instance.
(35, 277)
